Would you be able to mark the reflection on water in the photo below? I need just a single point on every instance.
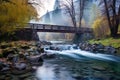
(65, 68)
(52, 72)
(45, 73)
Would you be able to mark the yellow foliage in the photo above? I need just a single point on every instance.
(100, 27)
(15, 13)
(97, 23)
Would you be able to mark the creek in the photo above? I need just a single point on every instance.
(71, 63)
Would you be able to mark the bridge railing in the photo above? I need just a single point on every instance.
(58, 27)
(52, 27)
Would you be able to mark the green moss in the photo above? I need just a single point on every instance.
(108, 41)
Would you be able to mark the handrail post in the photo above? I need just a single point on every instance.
(43, 26)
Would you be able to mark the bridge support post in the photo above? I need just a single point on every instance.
(34, 34)
(76, 38)
(82, 37)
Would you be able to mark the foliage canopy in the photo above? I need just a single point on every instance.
(14, 13)
(100, 27)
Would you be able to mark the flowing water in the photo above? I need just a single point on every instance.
(72, 63)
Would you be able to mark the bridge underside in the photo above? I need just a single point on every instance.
(58, 31)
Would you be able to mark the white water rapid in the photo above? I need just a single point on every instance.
(68, 50)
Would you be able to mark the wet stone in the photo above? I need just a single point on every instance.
(99, 68)
(2, 77)
(25, 75)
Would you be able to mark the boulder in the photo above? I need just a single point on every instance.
(98, 68)
(35, 60)
(10, 57)
(13, 58)
(25, 47)
(4, 46)
(99, 48)
(4, 66)
(5, 69)
(8, 51)
(110, 50)
(1, 66)
(20, 66)
(48, 56)
(40, 50)
(23, 69)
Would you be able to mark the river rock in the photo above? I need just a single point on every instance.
(46, 43)
(22, 76)
(4, 67)
(98, 68)
(2, 77)
(48, 56)
(20, 66)
(14, 58)
(8, 51)
(110, 50)
(40, 50)
(21, 70)
(5, 45)
(1, 65)
(77, 77)
(8, 77)
(35, 60)
(97, 48)
(25, 47)
(10, 57)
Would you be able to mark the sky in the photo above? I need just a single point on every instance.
(42, 6)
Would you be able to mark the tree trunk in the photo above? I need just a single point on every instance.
(112, 33)
(113, 20)
(74, 14)
(81, 6)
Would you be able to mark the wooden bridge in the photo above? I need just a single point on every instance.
(58, 28)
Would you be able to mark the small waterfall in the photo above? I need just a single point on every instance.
(74, 52)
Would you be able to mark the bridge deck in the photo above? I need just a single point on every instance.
(57, 28)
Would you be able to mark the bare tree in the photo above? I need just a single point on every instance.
(70, 9)
(81, 10)
(112, 10)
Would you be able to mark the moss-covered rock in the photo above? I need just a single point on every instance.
(25, 47)
(8, 51)
(5, 45)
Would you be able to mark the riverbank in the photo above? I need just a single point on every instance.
(18, 59)
(76, 65)
(108, 42)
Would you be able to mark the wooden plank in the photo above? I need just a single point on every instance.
(58, 28)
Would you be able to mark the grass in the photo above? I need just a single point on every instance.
(108, 41)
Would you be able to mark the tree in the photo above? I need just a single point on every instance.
(75, 9)
(81, 7)
(95, 13)
(14, 13)
(112, 10)
(70, 9)
(100, 27)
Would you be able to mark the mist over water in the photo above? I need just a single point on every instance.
(47, 36)
(49, 12)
